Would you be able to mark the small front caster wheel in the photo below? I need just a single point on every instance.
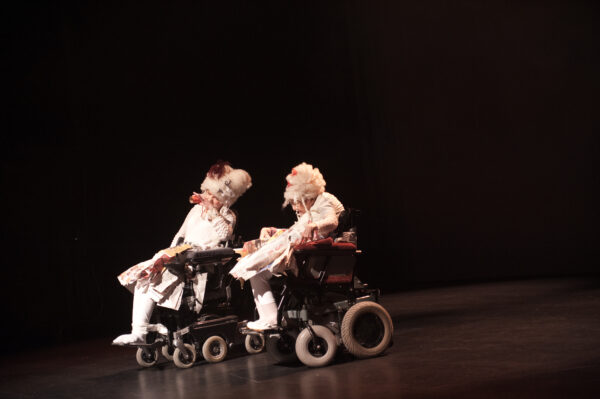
(316, 350)
(214, 349)
(187, 359)
(167, 352)
(254, 343)
(146, 357)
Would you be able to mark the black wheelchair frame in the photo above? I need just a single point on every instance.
(325, 307)
(216, 328)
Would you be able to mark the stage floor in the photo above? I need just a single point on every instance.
(518, 339)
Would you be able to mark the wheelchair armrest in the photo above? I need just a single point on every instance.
(202, 261)
(213, 253)
(207, 261)
(177, 268)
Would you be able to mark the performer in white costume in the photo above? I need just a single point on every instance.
(317, 212)
(209, 223)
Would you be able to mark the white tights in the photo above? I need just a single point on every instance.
(141, 312)
(263, 297)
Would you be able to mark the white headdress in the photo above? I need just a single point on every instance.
(304, 182)
(226, 183)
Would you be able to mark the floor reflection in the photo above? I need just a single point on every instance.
(519, 340)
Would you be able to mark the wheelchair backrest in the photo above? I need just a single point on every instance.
(347, 222)
(327, 266)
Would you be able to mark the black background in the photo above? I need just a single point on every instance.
(465, 131)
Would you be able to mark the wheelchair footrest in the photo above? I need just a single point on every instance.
(248, 331)
(212, 322)
(157, 343)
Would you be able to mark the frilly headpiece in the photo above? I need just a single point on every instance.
(226, 183)
(304, 182)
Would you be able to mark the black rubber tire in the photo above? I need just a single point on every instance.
(254, 343)
(180, 360)
(367, 329)
(145, 359)
(317, 352)
(281, 347)
(167, 352)
(214, 349)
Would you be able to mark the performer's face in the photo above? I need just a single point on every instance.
(299, 208)
(211, 200)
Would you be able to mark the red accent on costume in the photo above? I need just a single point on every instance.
(159, 264)
(294, 172)
(289, 184)
(195, 198)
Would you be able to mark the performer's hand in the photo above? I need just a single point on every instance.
(206, 200)
(249, 247)
(309, 230)
(211, 201)
(267, 232)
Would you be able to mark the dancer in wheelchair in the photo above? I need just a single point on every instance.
(317, 212)
(209, 223)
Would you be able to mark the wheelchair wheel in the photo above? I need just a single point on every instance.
(146, 358)
(281, 347)
(316, 351)
(214, 349)
(254, 343)
(167, 352)
(367, 329)
(185, 360)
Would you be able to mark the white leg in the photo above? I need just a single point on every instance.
(265, 302)
(141, 312)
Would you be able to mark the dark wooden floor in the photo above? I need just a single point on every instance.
(524, 339)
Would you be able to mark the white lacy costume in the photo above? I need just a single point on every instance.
(202, 229)
(305, 184)
(275, 255)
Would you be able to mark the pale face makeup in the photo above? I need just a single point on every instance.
(299, 208)
(211, 200)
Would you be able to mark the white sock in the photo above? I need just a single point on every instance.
(269, 313)
(263, 297)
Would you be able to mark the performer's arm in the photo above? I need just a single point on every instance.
(223, 225)
(328, 223)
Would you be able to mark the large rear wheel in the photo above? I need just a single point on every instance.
(367, 329)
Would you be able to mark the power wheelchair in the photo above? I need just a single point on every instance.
(184, 336)
(326, 307)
